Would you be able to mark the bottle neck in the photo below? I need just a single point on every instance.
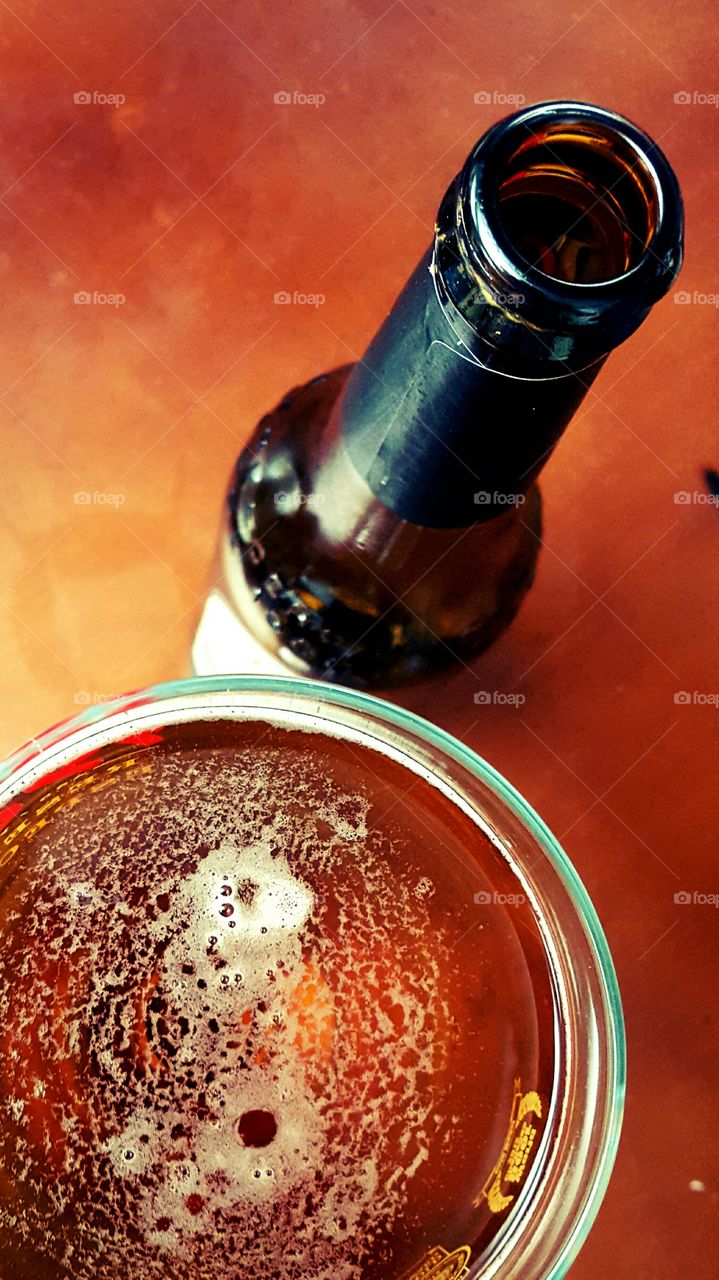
(553, 243)
(441, 439)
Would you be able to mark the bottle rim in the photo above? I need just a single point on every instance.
(507, 311)
(555, 1209)
(487, 240)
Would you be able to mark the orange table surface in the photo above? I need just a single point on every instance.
(150, 160)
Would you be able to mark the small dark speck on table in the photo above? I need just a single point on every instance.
(712, 479)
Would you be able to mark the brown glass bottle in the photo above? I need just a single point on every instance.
(384, 519)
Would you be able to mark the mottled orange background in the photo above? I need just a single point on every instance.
(199, 197)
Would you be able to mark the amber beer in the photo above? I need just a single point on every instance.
(272, 1005)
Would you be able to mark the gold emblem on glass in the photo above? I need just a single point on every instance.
(440, 1265)
(519, 1143)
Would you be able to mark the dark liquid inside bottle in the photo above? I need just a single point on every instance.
(579, 213)
(260, 1016)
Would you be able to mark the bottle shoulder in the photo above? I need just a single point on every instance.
(321, 571)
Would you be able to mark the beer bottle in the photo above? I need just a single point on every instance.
(384, 519)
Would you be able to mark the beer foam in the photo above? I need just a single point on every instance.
(239, 1004)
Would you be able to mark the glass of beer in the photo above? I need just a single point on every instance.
(293, 986)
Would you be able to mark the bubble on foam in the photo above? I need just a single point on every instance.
(129, 1150)
(267, 927)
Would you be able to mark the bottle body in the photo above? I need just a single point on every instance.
(384, 520)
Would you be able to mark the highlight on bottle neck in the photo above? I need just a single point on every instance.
(562, 230)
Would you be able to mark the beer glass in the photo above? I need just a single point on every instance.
(293, 984)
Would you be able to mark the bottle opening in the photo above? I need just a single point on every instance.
(560, 233)
(578, 203)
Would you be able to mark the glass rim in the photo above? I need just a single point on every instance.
(27, 761)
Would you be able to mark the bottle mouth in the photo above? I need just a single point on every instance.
(577, 203)
(560, 233)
